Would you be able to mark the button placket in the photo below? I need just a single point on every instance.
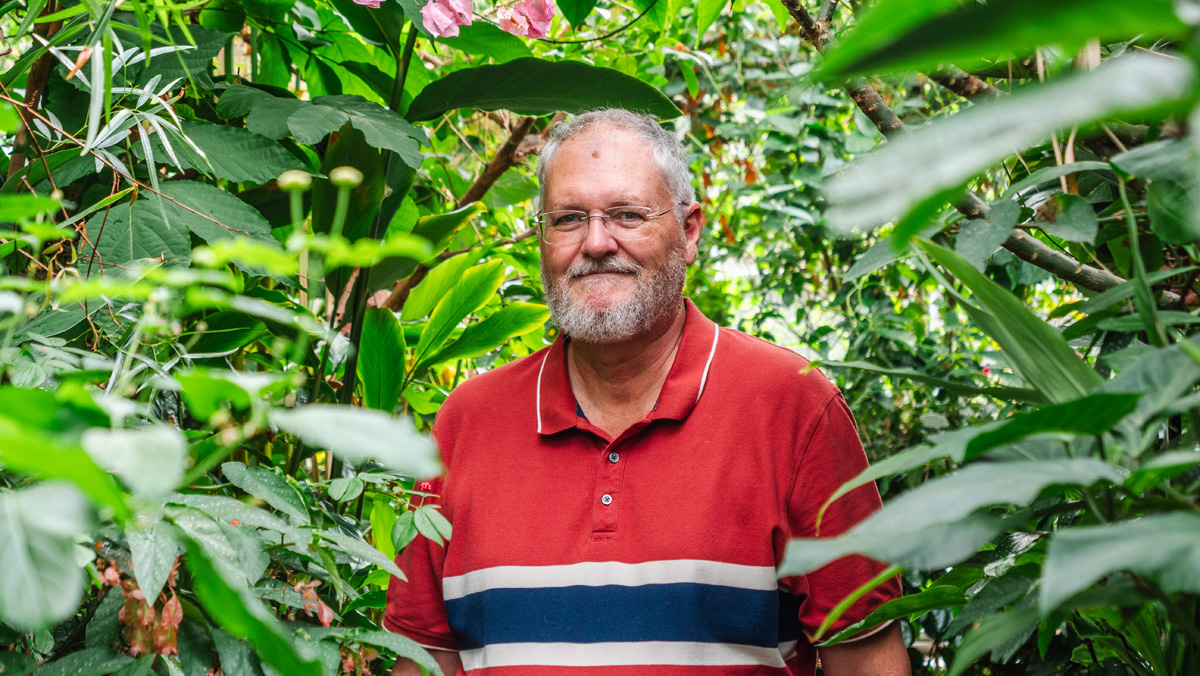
(608, 491)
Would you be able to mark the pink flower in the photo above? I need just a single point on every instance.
(443, 17)
(530, 18)
(373, 4)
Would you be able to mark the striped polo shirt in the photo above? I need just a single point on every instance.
(577, 553)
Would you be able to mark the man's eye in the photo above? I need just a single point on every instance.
(568, 220)
(628, 217)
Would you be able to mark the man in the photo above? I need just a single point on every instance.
(620, 500)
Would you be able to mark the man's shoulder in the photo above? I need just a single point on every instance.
(763, 363)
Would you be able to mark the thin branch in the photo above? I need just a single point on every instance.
(826, 14)
(500, 163)
(606, 35)
(401, 289)
(808, 25)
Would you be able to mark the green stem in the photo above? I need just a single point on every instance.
(339, 212)
(1143, 297)
(402, 65)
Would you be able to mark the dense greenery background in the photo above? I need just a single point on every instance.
(248, 247)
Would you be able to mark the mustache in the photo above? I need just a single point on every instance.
(591, 266)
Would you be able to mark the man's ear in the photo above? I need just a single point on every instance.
(693, 225)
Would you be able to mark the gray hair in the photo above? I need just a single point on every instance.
(667, 150)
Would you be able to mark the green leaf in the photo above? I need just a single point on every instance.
(349, 149)
(1163, 547)
(993, 633)
(238, 612)
(226, 331)
(401, 645)
(472, 292)
(89, 662)
(488, 40)
(237, 657)
(1161, 468)
(707, 12)
(232, 153)
(382, 25)
(1135, 322)
(42, 584)
(15, 208)
(1032, 346)
(383, 522)
(227, 510)
(1169, 160)
(1103, 301)
(937, 596)
(901, 175)
(439, 229)
(114, 240)
(531, 86)
(405, 530)
(148, 459)
(1005, 393)
(912, 35)
(1092, 415)
(429, 522)
(1051, 173)
(1172, 207)
(344, 489)
(357, 435)
(515, 319)
(380, 127)
(206, 392)
(381, 359)
(213, 214)
(936, 524)
(979, 239)
(268, 487)
(359, 549)
(25, 452)
(1069, 217)
(152, 550)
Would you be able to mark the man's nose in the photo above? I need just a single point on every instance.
(597, 240)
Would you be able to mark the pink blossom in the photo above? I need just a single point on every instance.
(439, 20)
(373, 4)
(443, 17)
(529, 18)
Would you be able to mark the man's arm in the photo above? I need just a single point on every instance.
(446, 659)
(880, 654)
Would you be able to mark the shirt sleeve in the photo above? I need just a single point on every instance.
(414, 606)
(832, 456)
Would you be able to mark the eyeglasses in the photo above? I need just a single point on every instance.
(569, 226)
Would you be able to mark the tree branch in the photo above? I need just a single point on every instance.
(963, 83)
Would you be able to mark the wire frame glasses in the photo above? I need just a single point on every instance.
(570, 226)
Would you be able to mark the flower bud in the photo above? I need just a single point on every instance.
(346, 177)
(294, 180)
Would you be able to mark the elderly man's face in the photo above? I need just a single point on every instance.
(602, 289)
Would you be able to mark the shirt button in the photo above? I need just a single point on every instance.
(614, 456)
(607, 499)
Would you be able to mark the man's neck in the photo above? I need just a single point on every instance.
(617, 384)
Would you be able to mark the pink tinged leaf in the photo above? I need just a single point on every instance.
(324, 613)
(373, 4)
(439, 20)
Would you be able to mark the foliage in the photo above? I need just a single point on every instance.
(214, 379)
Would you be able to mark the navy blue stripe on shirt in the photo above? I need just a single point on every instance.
(605, 614)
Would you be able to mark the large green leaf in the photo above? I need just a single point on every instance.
(28, 453)
(152, 547)
(436, 285)
(42, 583)
(147, 459)
(471, 292)
(1162, 547)
(238, 612)
(915, 34)
(127, 234)
(380, 127)
(232, 153)
(936, 524)
(213, 214)
(1092, 415)
(488, 40)
(900, 176)
(268, 487)
(937, 596)
(1032, 346)
(707, 12)
(90, 662)
(532, 86)
(515, 319)
(381, 359)
(994, 634)
(349, 149)
(226, 510)
(357, 435)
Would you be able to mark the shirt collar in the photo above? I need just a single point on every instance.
(556, 404)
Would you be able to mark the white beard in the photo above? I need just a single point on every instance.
(657, 294)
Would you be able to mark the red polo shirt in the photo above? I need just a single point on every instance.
(574, 553)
